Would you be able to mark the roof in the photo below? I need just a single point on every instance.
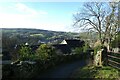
(68, 44)
(73, 42)
(63, 48)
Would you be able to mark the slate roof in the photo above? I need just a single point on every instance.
(63, 48)
(74, 42)
(71, 43)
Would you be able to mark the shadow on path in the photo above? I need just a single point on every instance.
(63, 71)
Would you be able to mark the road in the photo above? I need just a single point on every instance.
(63, 71)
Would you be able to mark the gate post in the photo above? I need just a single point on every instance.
(98, 58)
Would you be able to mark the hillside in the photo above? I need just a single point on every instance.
(35, 36)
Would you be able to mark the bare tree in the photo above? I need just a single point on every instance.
(99, 17)
(111, 23)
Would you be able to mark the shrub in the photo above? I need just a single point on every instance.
(6, 71)
(116, 41)
(25, 52)
(78, 50)
(86, 47)
(45, 52)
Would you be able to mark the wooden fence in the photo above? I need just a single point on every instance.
(114, 60)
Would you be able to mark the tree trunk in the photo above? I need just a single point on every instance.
(100, 38)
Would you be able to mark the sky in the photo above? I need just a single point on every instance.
(55, 16)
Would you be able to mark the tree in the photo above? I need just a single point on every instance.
(116, 43)
(91, 15)
(8, 46)
(45, 51)
(111, 24)
(99, 17)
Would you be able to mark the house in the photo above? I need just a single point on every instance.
(66, 46)
(62, 48)
(73, 43)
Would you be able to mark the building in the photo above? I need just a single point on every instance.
(66, 46)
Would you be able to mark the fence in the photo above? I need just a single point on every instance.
(114, 60)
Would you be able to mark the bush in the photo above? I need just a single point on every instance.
(45, 52)
(116, 41)
(45, 57)
(25, 52)
(86, 47)
(78, 50)
(6, 71)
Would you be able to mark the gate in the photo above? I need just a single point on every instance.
(114, 60)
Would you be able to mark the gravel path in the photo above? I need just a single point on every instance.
(63, 71)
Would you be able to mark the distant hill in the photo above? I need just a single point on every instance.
(12, 37)
(16, 36)
(35, 36)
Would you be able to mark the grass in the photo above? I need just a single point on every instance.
(105, 72)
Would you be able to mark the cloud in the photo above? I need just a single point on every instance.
(22, 16)
(27, 10)
(24, 9)
(12, 20)
(23, 21)
(42, 12)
